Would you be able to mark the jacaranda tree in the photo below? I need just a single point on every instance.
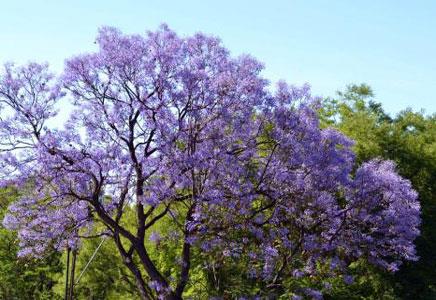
(184, 133)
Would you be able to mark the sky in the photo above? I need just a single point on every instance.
(390, 45)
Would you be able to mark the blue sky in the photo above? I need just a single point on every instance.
(391, 45)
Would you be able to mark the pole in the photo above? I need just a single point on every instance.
(73, 267)
(66, 276)
(90, 260)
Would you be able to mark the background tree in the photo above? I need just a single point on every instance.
(409, 139)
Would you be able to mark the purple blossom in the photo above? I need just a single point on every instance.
(314, 294)
(348, 279)
(297, 273)
(155, 237)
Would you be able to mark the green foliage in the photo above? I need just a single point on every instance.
(369, 284)
(409, 139)
(106, 277)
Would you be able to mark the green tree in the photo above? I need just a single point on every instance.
(409, 139)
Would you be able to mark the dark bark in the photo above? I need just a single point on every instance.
(144, 293)
(186, 256)
(67, 274)
(149, 266)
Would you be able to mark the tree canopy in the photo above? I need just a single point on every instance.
(211, 162)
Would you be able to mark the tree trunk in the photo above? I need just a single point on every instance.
(140, 283)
